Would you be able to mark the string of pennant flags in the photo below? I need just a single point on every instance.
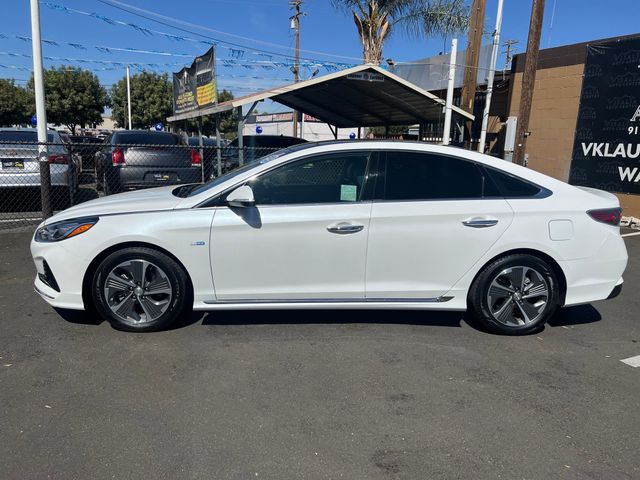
(118, 65)
(236, 59)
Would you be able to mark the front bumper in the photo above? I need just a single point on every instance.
(59, 275)
(615, 292)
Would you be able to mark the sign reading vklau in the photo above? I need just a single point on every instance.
(606, 149)
(194, 87)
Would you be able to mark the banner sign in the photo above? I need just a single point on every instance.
(195, 86)
(366, 76)
(275, 117)
(606, 148)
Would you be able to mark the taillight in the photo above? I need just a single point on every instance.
(610, 216)
(59, 159)
(117, 157)
(196, 160)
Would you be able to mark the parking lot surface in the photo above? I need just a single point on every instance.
(306, 395)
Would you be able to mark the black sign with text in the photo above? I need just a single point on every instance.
(195, 86)
(606, 148)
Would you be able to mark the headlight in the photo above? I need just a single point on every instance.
(64, 229)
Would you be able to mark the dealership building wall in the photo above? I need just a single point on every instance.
(554, 112)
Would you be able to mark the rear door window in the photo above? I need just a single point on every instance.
(427, 176)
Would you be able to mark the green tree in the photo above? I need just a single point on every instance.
(376, 19)
(16, 105)
(73, 97)
(228, 125)
(151, 100)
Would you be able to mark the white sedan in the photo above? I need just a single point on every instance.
(339, 225)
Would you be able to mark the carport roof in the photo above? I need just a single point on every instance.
(362, 96)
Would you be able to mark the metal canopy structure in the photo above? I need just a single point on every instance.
(362, 96)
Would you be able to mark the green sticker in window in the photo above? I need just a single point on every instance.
(348, 193)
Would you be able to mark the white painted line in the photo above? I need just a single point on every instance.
(630, 234)
(632, 361)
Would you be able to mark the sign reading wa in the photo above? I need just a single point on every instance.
(606, 149)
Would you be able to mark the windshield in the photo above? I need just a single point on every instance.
(196, 189)
(146, 138)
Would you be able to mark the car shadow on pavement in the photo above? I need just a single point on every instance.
(81, 317)
(577, 315)
(322, 316)
(564, 317)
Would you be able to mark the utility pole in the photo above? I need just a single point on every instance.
(492, 71)
(41, 111)
(129, 98)
(474, 41)
(508, 52)
(528, 80)
(446, 131)
(295, 24)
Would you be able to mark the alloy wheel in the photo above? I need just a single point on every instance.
(518, 296)
(138, 291)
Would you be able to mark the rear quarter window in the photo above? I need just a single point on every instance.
(510, 186)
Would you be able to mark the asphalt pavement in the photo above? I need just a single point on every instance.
(315, 395)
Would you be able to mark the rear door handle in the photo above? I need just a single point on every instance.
(480, 222)
(344, 228)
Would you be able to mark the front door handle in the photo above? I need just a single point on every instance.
(344, 228)
(478, 222)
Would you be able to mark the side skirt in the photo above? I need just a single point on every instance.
(439, 303)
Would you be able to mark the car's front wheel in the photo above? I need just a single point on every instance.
(515, 294)
(140, 289)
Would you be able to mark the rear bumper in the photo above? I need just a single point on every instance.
(147, 177)
(598, 276)
(59, 177)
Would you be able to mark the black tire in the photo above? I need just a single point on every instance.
(178, 301)
(516, 304)
(99, 181)
(106, 188)
(61, 198)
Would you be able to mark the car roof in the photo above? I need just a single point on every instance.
(17, 129)
(312, 148)
(137, 132)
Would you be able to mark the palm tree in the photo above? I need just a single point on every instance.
(375, 20)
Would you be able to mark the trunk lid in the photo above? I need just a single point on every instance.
(607, 199)
(157, 156)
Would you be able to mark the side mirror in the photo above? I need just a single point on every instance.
(241, 197)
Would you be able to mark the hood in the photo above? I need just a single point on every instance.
(137, 201)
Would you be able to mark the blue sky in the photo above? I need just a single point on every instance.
(327, 36)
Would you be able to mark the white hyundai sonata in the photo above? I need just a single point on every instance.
(340, 225)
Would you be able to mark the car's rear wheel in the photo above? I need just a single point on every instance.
(140, 289)
(515, 294)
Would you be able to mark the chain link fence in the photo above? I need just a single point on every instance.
(79, 172)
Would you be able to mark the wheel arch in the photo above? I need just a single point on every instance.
(557, 270)
(91, 269)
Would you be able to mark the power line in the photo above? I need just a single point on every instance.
(148, 31)
(128, 8)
